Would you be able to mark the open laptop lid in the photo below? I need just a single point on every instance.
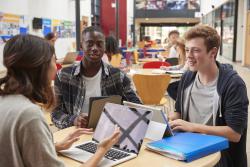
(133, 123)
(158, 116)
(70, 58)
(157, 112)
(96, 105)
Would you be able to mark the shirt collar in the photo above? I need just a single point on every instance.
(105, 69)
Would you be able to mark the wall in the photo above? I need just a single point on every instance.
(108, 19)
(53, 9)
(206, 5)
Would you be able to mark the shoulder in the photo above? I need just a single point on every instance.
(228, 78)
(20, 109)
(65, 74)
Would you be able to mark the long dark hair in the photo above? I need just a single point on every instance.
(111, 46)
(27, 59)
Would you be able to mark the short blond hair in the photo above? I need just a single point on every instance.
(209, 34)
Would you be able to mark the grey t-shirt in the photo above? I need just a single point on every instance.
(201, 102)
(25, 138)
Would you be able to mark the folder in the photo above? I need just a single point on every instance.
(187, 146)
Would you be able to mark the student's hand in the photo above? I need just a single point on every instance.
(81, 121)
(181, 125)
(107, 143)
(71, 138)
(173, 116)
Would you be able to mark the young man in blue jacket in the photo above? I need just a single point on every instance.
(74, 85)
(212, 97)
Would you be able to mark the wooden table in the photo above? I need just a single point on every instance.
(151, 71)
(145, 158)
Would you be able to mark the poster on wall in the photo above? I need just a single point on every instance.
(67, 29)
(56, 26)
(11, 24)
(46, 26)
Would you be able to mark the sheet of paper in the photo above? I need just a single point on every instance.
(155, 130)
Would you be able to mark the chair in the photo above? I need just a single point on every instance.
(155, 64)
(151, 88)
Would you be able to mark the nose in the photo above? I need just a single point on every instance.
(188, 53)
(94, 48)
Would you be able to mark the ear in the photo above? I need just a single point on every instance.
(213, 52)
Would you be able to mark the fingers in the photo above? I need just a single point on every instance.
(80, 131)
(82, 120)
(116, 135)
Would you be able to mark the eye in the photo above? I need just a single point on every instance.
(196, 50)
(90, 43)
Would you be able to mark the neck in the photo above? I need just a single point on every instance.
(90, 69)
(208, 76)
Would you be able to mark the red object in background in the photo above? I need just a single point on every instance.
(108, 23)
(155, 64)
(79, 58)
(58, 66)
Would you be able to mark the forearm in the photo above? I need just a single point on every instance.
(95, 159)
(224, 131)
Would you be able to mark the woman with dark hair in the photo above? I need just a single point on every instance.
(112, 51)
(25, 91)
(52, 37)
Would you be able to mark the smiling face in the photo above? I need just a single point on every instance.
(199, 59)
(93, 46)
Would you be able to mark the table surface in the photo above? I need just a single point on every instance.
(145, 157)
(150, 71)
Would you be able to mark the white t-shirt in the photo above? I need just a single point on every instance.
(173, 53)
(93, 88)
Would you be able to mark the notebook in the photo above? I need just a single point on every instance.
(133, 123)
(158, 126)
(96, 105)
(187, 146)
(70, 58)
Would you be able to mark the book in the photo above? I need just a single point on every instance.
(175, 72)
(187, 146)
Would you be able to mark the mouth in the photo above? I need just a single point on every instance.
(191, 62)
(94, 56)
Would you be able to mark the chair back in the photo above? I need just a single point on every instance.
(151, 88)
(155, 64)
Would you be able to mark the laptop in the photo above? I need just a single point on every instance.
(70, 58)
(96, 105)
(159, 117)
(133, 123)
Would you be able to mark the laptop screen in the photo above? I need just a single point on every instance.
(133, 123)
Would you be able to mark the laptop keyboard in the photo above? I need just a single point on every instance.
(112, 154)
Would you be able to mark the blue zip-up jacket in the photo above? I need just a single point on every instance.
(232, 110)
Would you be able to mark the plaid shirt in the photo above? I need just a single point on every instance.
(70, 90)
